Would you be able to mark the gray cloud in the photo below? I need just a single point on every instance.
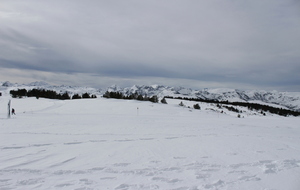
(214, 43)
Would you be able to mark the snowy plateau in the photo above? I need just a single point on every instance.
(101, 143)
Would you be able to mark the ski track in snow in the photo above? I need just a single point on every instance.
(107, 144)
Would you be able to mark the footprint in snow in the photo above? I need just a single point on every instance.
(14, 147)
(170, 138)
(72, 143)
(30, 181)
(163, 179)
(146, 139)
(217, 184)
(249, 178)
(121, 164)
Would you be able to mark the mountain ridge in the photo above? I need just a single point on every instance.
(290, 100)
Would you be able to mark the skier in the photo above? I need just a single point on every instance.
(13, 112)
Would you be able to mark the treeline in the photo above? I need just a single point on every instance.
(135, 96)
(50, 94)
(250, 106)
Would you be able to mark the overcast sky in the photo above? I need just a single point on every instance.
(249, 44)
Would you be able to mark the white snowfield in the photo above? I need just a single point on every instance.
(126, 144)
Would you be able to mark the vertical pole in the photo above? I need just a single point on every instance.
(137, 110)
(8, 109)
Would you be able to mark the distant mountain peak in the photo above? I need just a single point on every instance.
(8, 84)
(114, 88)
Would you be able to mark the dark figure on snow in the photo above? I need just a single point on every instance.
(13, 112)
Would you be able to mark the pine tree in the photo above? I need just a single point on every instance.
(196, 106)
(86, 95)
(164, 101)
(106, 94)
(153, 99)
(140, 97)
(76, 96)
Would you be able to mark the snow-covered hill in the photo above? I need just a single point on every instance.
(290, 100)
(138, 145)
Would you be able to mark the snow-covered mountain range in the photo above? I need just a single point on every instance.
(290, 100)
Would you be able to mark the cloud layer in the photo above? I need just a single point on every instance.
(248, 44)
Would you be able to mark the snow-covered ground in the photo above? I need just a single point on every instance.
(126, 144)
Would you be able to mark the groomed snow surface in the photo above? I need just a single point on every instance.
(126, 144)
